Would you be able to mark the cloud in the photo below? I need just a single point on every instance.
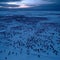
(8, 0)
(26, 3)
(56, 1)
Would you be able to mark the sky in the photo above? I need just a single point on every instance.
(27, 3)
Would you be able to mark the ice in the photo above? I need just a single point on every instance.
(29, 35)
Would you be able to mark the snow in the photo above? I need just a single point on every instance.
(25, 39)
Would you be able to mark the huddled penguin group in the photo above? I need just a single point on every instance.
(18, 37)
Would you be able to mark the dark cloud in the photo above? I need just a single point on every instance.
(8, 0)
(56, 1)
(38, 4)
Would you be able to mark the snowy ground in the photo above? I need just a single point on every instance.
(34, 36)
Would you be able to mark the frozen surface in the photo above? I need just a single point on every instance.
(29, 35)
